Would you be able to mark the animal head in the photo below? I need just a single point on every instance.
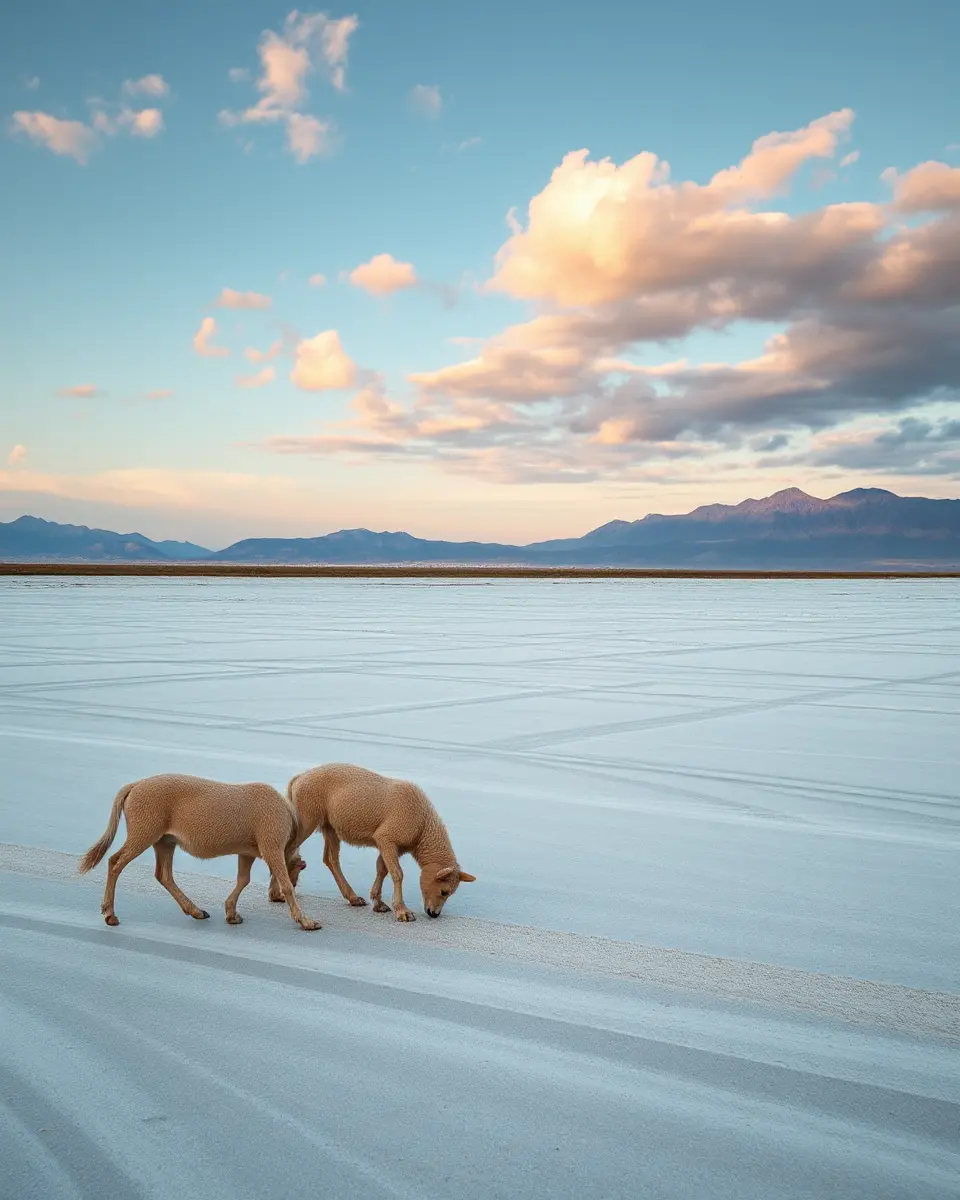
(437, 884)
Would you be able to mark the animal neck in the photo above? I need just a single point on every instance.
(433, 845)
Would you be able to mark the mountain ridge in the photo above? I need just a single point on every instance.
(790, 529)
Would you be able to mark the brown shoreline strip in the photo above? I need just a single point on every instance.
(204, 570)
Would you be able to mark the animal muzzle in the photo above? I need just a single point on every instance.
(431, 913)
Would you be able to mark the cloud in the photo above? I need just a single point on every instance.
(929, 187)
(309, 136)
(84, 391)
(599, 233)
(260, 379)
(238, 75)
(159, 394)
(147, 85)
(322, 364)
(308, 42)
(17, 455)
(620, 262)
(849, 159)
(233, 494)
(913, 446)
(258, 356)
(425, 99)
(383, 274)
(317, 281)
(228, 298)
(32, 83)
(201, 340)
(70, 138)
(147, 122)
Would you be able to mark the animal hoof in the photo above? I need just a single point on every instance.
(112, 919)
(406, 915)
(236, 919)
(358, 902)
(310, 926)
(276, 899)
(200, 915)
(381, 907)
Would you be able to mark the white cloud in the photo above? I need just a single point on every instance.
(201, 340)
(228, 298)
(929, 187)
(260, 379)
(425, 99)
(383, 274)
(258, 356)
(32, 83)
(309, 41)
(238, 74)
(849, 159)
(322, 364)
(308, 136)
(147, 123)
(70, 138)
(147, 85)
(17, 455)
(83, 391)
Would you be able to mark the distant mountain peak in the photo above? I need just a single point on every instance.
(860, 528)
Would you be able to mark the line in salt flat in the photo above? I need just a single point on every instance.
(887, 1006)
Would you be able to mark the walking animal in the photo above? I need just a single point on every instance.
(208, 819)
(357, 806)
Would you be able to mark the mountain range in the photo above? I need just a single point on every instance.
(790, 530)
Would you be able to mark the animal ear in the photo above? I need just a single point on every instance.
(446, 872)
(465, 878)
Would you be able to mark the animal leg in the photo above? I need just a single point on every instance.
(277, 863)
(132, 848)
(244, 865)
(376, 892)
(295, 865)
(331, 859)
(164, 850)
(388, 852)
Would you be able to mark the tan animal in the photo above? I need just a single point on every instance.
(362, 808)
(206, 818)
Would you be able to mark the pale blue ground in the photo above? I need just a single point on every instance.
(765, 770)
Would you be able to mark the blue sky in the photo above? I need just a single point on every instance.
(438, 120)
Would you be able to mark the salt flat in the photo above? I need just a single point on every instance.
(713, 949)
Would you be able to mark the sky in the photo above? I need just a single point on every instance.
(501, 271)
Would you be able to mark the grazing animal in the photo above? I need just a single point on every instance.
(362, 808)
(206, 818)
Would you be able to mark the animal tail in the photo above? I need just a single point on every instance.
(99, 849)
(290, 788)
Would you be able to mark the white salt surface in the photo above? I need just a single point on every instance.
(713, 949)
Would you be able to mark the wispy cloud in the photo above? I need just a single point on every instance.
(308, 42)
(201, 340)
(258, 356)
(317, 281)
(260, 379)
(228, 298)
(82, 391)
(70, 138)
(17, 455)
(147, 85)
(426, 100)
